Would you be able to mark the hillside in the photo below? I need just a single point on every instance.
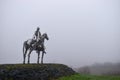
(108, 69)
(88, 77)
(33, 71)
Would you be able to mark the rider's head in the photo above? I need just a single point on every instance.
(38, 28)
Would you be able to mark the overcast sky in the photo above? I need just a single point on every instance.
(81, 32)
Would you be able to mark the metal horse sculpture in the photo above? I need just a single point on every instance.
(37, 46)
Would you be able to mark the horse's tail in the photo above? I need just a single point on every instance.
(24, 51)
(24, 48)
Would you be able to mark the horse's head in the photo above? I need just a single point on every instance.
(46, 36)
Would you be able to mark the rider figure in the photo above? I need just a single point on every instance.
(37, 36)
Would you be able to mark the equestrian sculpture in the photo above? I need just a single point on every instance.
(37, 44)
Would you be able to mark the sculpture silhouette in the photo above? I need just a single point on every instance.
(34, 45)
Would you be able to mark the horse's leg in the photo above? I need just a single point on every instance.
(29, 56)
(38, 57)
(42, 57)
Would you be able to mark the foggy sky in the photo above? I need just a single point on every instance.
(81, 32)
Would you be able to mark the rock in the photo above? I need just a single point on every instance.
(34, 71)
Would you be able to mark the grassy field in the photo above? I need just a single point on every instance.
(89, 77)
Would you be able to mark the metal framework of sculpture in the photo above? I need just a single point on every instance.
(35, 44)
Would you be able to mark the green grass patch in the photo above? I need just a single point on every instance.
(89, 77)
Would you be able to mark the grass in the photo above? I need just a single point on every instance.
(14, 66)
(89, 77)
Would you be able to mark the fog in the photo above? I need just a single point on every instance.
(81, 32)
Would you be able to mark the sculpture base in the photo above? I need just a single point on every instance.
(34, 71)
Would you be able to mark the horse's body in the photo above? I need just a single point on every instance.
(34, 45)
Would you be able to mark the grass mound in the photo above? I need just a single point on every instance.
(33, 71)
